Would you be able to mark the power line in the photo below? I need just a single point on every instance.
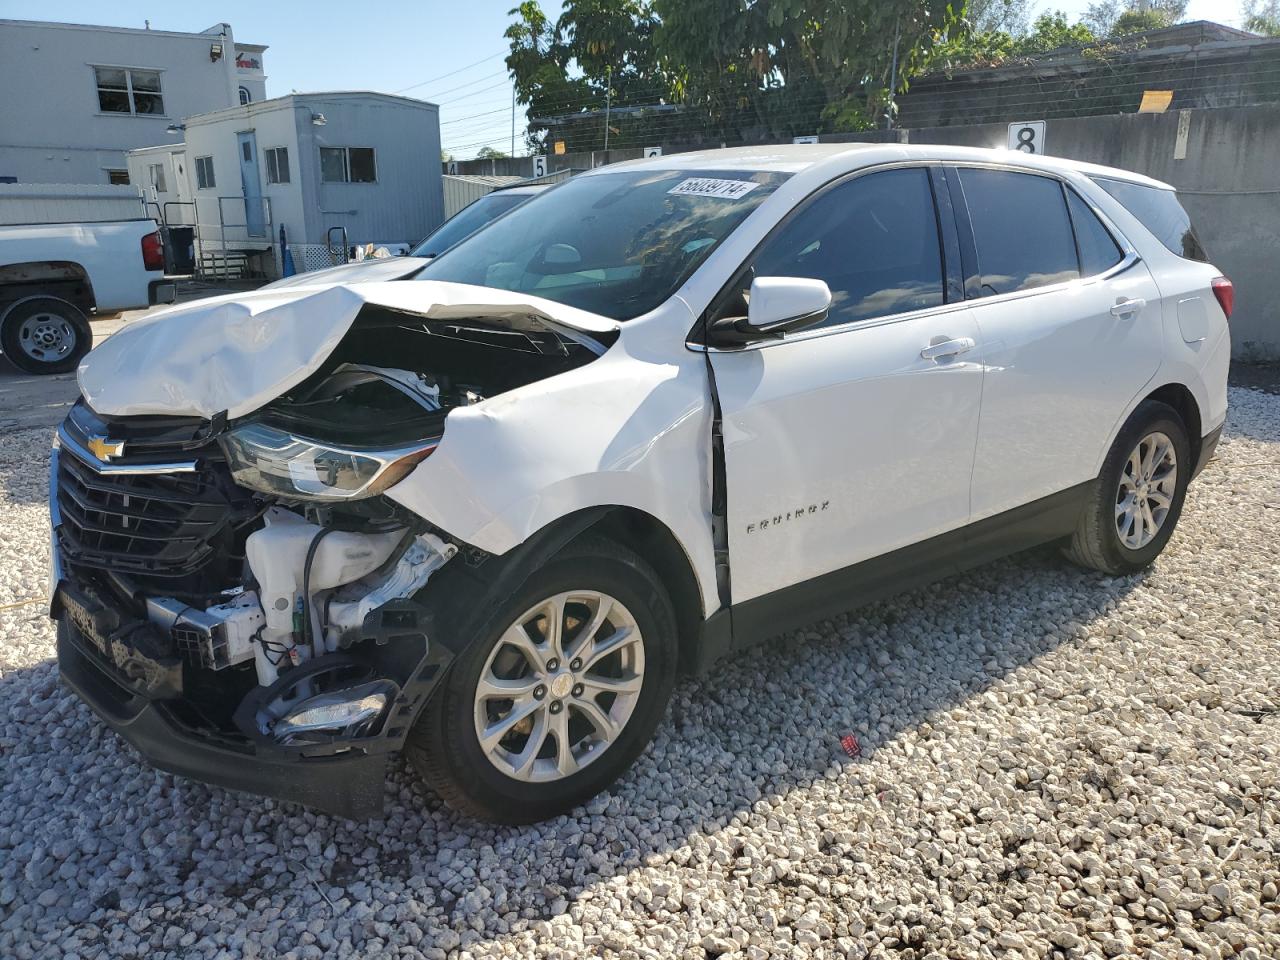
(443, 76)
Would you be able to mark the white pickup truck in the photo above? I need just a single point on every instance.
(54, 275)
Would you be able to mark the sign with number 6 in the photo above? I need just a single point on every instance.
(1027, 136)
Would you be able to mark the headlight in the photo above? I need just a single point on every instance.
(273, 461)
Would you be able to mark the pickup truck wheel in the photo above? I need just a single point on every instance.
(44, 335)
(1137, 498)
(558, 694)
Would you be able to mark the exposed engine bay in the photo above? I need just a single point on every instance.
(261, 586)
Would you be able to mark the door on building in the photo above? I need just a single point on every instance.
(254, 214)
(181, 189)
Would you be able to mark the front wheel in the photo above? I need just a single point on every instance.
(44, 335)
(1137, 499)
(557, 694)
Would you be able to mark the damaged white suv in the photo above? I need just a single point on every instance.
(488, 514)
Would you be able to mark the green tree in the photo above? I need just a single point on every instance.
(1051, 31)
(489, 153)
(1262, 16)
(1112, 18)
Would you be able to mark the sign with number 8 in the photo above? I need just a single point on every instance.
(1027, 136)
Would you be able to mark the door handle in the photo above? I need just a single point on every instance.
(948, 348)
(1127, 308)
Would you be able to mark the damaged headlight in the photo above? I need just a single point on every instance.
(264, 458)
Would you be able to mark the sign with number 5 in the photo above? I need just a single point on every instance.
(1027, 136)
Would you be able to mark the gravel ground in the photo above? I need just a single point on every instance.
(1052, 763)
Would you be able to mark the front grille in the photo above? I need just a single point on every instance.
(165, 525)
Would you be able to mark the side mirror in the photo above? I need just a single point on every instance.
(777, 305)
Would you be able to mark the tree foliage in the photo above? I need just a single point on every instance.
(707, 70)
(1262, 16)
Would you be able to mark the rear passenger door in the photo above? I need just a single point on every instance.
(1071, 328)
(842, 441)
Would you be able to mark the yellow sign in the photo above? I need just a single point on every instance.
(1155, 101)
(559, 148)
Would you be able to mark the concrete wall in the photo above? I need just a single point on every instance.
(51, 127)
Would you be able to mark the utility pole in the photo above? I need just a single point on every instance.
(513, 119)
(893, 75)
(608, 101)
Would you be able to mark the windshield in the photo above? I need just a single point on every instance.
(467, 221)
(616, 244)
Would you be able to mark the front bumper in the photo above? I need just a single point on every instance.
(139, 695)
(347, 785)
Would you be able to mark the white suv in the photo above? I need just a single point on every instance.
(665, 410)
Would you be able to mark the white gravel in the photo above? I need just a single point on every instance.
(1054, 763)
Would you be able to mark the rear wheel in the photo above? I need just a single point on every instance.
(44, 335)
(1137, 498)
(558, 693)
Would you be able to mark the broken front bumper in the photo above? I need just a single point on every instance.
(347, 785)
(120, 666)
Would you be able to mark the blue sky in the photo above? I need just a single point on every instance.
(447, 52)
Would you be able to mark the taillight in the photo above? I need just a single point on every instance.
(153, 252)
(1226, 294)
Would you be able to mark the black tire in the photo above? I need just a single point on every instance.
(444, 746)
(1097, 542)
(69, 328)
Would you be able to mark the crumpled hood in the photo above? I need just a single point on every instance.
(234, 354)
(379, 268)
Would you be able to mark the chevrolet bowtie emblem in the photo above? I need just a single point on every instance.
(105, 449)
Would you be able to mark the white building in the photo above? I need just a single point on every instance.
(349, 167)
(77, 98)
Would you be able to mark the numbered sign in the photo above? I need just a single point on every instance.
(540, 165)
(804, 139)
(652, 152)
(1027, 136)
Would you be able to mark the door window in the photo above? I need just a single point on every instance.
(1098, 250)
(873, 239)
(1021, 229)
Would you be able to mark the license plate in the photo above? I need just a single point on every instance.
(85, 621)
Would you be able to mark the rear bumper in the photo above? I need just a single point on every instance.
(162, 291)
(347, 785)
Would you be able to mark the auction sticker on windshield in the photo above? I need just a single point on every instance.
(708, 187)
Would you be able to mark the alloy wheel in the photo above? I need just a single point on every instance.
(1146, 491)
(559, 686)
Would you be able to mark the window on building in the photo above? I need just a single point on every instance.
(155, 176)
(277, 164)
(204, 173)
(244, 96)
(873, 239)
(1021, 228)
(119, 177)
(126, 90)
(348, 165)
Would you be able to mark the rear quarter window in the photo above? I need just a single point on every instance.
(1160, 212)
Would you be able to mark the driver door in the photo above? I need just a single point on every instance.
(844, 442)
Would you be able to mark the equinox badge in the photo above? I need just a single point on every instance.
(105, 449)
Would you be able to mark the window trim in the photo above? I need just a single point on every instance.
(968, 257)
(213, 185)
(266, 163)
(128, 82)
(1129, 251)
(346, 164)
(1068, 192)
(693, 339)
